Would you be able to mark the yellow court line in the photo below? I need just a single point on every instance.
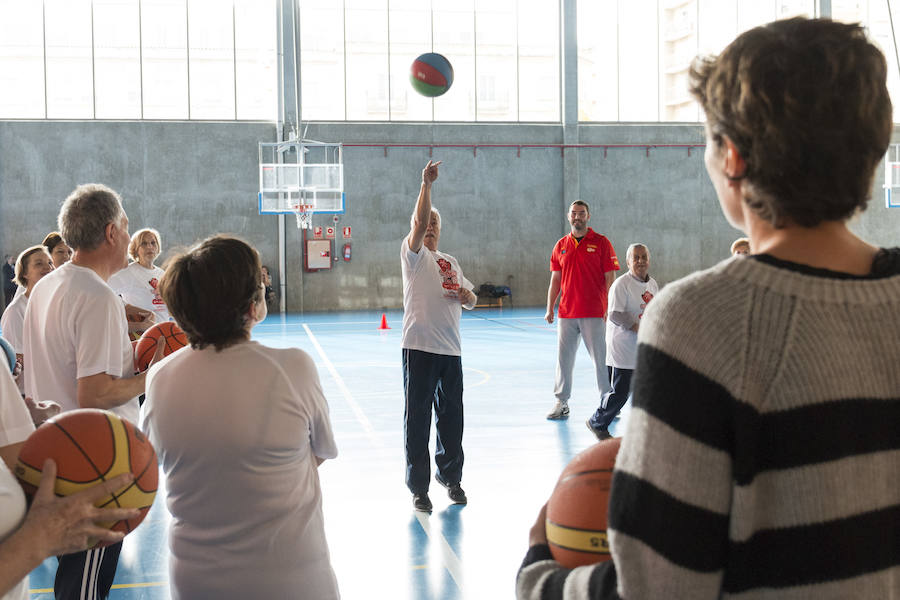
(120, 586)
(117, 586)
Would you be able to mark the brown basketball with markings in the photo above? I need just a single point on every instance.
(89, 446)
(577, 511)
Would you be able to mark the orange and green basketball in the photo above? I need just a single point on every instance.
(171, 334)
(90, 446)
(431, 74)
(577, 511)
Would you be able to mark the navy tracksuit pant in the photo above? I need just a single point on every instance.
(86, 575)
(613, 400)
(432, 381)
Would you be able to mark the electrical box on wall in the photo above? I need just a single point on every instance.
(317, 255)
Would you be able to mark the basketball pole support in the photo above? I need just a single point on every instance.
(288, 124)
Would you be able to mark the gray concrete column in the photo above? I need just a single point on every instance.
(569, 95)
(288, 58)
(288, 124)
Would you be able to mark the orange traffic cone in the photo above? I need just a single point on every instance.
(384, 324)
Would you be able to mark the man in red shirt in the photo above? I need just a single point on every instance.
(582, 267)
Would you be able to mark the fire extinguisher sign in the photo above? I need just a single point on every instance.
(347, 235)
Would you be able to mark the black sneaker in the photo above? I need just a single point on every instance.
(422, 502)
(455, 492)
(602, 433)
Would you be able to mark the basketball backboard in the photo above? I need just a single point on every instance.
(300, 176)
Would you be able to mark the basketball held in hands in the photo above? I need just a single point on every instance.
(577, 511)
(167, 333)
(90, 446)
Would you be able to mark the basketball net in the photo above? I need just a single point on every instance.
(303, 212)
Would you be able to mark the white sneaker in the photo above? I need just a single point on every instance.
(560, 411)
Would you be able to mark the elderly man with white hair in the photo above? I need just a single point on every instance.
(628, 297)
(434, 293)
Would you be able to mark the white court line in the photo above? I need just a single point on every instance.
(357, 410)
(275, 324)
(451, 561)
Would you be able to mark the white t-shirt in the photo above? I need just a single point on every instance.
(75, 327)
(15, 421)
(431, 309)
(12, 320)
(137, 286)
(15, 426)
(12, 513)
(630, 295)
(237, 433)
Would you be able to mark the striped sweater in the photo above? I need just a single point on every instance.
(762, 457)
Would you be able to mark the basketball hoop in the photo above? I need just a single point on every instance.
(304, 214)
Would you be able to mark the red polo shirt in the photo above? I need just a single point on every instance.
(584, 265)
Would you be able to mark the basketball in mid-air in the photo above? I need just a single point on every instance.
(577, 511)
(90, 446)
(431, 74)
(171, 334)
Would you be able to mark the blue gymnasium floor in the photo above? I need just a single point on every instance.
(380, 547)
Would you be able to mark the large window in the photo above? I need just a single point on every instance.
(634, 55)
(134, 59)
(356, 54)
(217, 59)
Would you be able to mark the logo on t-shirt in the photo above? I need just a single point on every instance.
(449, 279)
(157, 299)
(646, 297)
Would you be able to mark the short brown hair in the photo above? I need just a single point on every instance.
(22, 263)
(209, 290)
(136, 241)
(805, 102)
(51, 241)
(581, 203)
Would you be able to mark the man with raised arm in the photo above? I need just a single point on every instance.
(582, 267)
(434, 292)
(77, 347)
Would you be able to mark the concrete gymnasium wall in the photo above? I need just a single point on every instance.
(503, 208)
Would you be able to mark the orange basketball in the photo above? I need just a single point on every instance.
(146, 346)
(577, 511)
(90, 446)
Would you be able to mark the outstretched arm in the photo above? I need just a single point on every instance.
(422, 214)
